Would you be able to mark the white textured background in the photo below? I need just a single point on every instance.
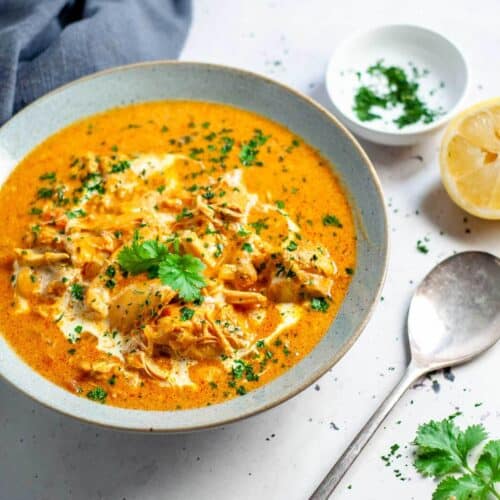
(284, 453)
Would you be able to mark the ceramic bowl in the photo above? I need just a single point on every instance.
(428, 58)
(171, 80)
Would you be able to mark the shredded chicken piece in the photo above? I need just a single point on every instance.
(138, 303)
(97, 301)
(241, 274)
(33, 258)
(99, 367)
(243, 298)
(25, 285)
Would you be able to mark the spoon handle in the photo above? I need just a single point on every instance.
(332, 479)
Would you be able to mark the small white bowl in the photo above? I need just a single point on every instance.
(442, 87)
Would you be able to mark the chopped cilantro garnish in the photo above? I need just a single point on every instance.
(421, 247)
(48, 176)
(110, 284)
(247, 247)
(73, 214)
(250, 150)
(110, 271)
(97, 394)
(45, 193)
(242, 233)
(259, 225)
(195, 152)
(187, 313)
(94, 182)
(319, 304)
(185, 214)
(208, 195)
(292, 246)
(227, 145)
(331, 220)
(120, 166)
(401, 91)
(240, 368)
(77, 291)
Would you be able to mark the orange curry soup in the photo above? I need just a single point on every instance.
(171, 254)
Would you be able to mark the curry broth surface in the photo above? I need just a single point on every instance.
(292, 172)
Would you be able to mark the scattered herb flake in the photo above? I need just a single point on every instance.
(97, 394)
(319, 304)
(331, 220)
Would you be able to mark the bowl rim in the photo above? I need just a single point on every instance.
(424, 128)
(110, 422)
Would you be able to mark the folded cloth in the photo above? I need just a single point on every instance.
(45, 43)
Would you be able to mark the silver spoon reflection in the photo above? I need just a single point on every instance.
(454, 315)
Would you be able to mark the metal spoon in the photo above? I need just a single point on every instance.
(454, 315)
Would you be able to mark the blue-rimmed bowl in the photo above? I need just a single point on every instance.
(205, 82)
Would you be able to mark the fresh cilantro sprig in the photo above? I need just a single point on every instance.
(183, 273)
(443, 451)
(142, 257)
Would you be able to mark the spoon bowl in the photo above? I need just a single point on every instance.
(455, 312)
(454, 315)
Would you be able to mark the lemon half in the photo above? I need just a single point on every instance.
(470, 159)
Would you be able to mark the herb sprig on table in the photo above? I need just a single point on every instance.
(183, 273)
(444, 452)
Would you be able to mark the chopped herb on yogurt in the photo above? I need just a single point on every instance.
(395, 90)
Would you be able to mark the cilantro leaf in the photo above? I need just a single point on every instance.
(468, 440)
(439, 436)
(436, 463)
(488, 465)
(141, 257)
(467, 487)
(183, 273)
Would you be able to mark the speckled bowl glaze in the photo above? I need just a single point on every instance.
(180, 80)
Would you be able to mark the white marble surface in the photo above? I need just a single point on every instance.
(283, 453)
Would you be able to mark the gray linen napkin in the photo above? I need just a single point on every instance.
(46, 43)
